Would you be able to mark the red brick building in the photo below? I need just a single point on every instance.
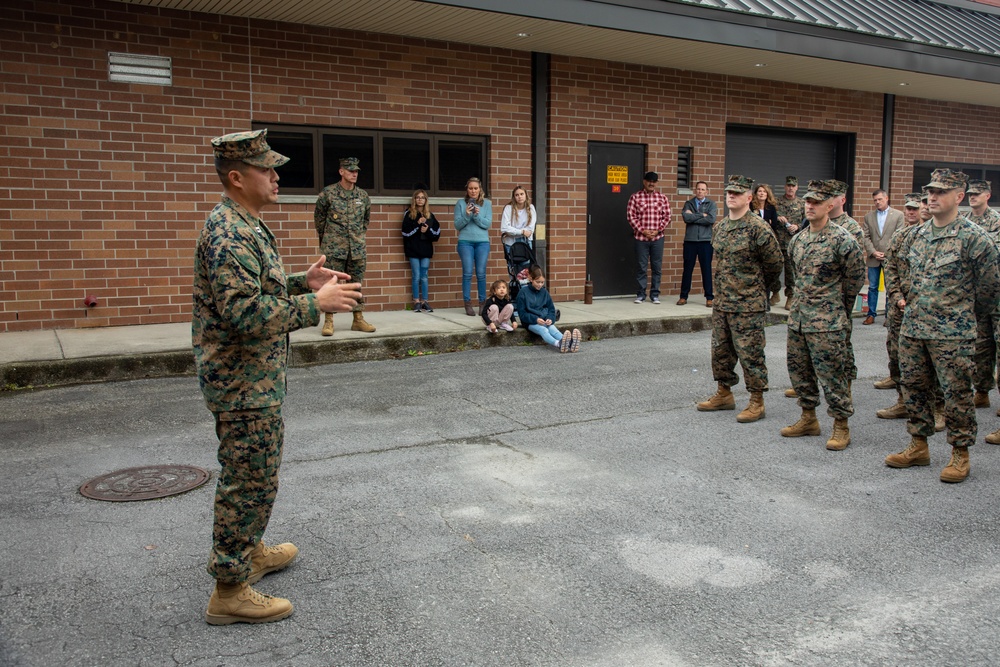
(106, 183)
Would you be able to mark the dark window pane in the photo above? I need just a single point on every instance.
(406, 163)
(921, 175)
(298, 148)
(458, 161)
(993, 176)
(337, 146)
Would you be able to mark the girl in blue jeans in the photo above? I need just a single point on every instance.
(537, 312)
(420, 230)
(473, 217)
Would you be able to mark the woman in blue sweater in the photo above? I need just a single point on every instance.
(537, 312)
(473, 217)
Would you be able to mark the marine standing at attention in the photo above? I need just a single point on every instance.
(953, 280)
(747, 259)
(343, 211)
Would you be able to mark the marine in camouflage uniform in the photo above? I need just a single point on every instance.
(746, 259)
(897, 286)
(985, 359)
(841, 219)
(953, 276)
(791, 211)
(244, 307)
(341, 220)
(829, 267)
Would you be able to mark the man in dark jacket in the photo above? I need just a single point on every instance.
(699, 216)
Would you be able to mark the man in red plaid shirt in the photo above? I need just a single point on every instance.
(648, 214)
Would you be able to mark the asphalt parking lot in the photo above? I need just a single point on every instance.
(508, 506)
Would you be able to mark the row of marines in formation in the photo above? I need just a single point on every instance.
(943, 299)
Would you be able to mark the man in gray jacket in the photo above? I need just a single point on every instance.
(699, 216)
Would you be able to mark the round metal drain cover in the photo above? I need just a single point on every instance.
(144, 483)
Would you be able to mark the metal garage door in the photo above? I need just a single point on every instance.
(768, 155)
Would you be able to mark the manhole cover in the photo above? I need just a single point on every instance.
(144, 483)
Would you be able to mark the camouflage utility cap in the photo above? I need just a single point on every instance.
(739, 184)
(249, 147)
(822, 190)
(350, 163)
(947, 179)
(923, 194)
(978, 186)
(912, 200)
(837, 187)
(791, 180)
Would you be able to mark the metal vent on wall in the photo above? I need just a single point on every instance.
(128, 68)
(684, 157)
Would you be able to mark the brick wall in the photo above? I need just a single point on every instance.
(588, 103)
(104, 186)
(940, 131)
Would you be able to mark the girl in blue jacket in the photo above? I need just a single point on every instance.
(537, 312)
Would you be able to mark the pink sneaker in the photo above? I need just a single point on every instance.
(506, 326)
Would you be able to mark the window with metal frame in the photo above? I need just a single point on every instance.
(392, 162)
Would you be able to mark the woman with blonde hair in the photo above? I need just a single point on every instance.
(519, 218)
(473, 218)
(420, 230)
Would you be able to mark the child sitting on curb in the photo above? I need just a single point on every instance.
(537, 312)
(497, 309)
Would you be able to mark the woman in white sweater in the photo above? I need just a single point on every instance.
(519, 218)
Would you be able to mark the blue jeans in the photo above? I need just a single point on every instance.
(549, 334)
(473, 255)
(873, 274)
(418, 267)
(648, 253)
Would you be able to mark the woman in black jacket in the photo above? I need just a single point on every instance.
(420, 231)
(766, 206)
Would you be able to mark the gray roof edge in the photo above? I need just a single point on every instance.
(890, 25)
(968, 5)
(684, 20)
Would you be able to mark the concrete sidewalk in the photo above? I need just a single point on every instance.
(68, 356)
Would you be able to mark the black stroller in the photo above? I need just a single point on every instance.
(520, 257)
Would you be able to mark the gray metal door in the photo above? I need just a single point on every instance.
(614, 172)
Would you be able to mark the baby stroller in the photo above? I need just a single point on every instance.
(520, 257)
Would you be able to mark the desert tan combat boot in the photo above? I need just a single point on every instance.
(981, 399)
(790, 393)
(327, 324)
(994, 437)
(841, 437)
(897, 411)
(939, 422)
(722, 400)
(754, 410)
(360, 324)
(806, 425)
(958, 467)
(239, 603)
(265, 560)
(788, 303)
(887, 383)
(916, 454)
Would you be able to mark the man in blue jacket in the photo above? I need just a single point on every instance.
(699, 216)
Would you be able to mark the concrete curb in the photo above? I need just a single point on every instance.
(60, 372)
